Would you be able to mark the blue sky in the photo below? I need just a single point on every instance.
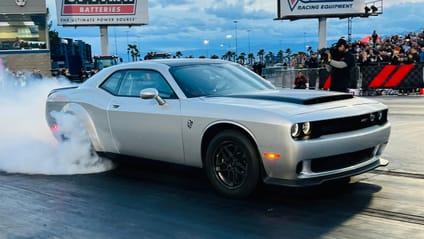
(183, 25)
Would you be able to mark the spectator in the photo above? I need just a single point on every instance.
(312, 64)
(376, 56)
(363, 58)
(396, 58)
(299, 61)
(83, 75)
(413, 56)
(341, 65)
(422, 55)
(374, 38)
(300, 81)
(63, 74)
(36, 74)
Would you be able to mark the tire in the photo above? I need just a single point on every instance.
(232, 164)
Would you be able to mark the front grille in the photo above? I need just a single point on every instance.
(340, 125)
(341, 160)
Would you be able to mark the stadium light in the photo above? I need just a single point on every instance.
(374, 10)
(367, 10)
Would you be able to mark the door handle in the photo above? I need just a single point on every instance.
(115, 106)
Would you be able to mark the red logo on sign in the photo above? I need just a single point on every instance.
(99, 8)
(390, 76)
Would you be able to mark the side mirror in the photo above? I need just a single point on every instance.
(152, 93)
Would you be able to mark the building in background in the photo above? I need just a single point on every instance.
(24, 41)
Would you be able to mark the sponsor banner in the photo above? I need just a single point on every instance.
(392, 76)
(102, 12)
(297, 9)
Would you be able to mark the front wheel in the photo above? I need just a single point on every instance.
(232, 164)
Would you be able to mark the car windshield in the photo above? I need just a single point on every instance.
(217, 79)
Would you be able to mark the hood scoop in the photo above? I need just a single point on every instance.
(296, 99)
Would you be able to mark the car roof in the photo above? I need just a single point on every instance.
(181, 62)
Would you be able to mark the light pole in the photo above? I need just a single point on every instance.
(248, 40)
(235, 31)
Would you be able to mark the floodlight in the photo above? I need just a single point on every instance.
(367, 10)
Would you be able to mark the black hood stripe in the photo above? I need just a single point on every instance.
(308, 101)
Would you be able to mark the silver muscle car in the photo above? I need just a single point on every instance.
(223, 117)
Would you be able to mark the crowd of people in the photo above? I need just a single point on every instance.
(374, 49)
(371, 50)
(395, 49)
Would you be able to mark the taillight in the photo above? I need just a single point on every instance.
(54, 128)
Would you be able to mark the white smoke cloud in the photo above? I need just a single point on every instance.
(26, 143)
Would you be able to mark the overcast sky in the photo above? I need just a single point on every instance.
(183, 25)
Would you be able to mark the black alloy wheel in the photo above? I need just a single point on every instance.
(232, 164)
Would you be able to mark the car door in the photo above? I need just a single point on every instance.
(143, 128)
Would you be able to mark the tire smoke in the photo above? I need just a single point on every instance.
(26, 143)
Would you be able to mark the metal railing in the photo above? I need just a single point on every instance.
(284, 77)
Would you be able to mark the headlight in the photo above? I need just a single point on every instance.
(295, 130)
(300, 130)
(380, 115)
(306, 128)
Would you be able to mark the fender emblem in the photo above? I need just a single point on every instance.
(189, 123)
(21, 3)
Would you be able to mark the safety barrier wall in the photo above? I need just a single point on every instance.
(386, 76)
(365, 78)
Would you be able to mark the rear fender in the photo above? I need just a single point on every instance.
(87, 123)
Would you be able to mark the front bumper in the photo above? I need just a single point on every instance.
(312, 162)
(316, 180)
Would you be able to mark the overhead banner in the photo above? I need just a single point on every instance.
(298, 9)
(102, 12)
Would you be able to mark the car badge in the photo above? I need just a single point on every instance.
(21, 3)
(189, 123)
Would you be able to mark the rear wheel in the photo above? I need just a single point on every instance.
(232, 164)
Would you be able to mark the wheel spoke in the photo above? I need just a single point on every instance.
(227, 151)
(231, 164)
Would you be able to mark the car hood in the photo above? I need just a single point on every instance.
(289, 101)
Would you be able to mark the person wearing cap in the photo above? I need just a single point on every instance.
(341, 64)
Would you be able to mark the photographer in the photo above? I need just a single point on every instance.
(341, 63)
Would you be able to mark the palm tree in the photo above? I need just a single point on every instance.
(229, 55)
(288, 54)
(270, 56)
(261, 54)
(280, 55)
(178, 54)
(242, 58)
(251, 58)
(133, 50)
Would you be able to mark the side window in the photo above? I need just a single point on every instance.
(136, 80)
(112, 83)
(162, 86)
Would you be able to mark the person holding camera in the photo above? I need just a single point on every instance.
(342, 63)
